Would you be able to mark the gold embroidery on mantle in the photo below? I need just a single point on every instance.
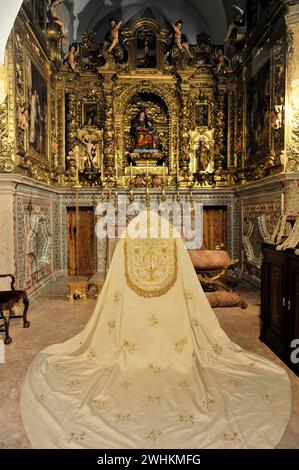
(179, 345)
(153, 321)
(183, 384)
(150, 266)
(125, 384)
(154, 369)
(78, 436)
(120, 418)
(231, 436)
(154, 399)
(130, 346)
(153, 435)
(186, 419)
(99, 404)
(111, 325)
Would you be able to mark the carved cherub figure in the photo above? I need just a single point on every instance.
(221, 60)
(71, 57)
(23, 118)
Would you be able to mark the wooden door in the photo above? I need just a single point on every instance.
(85, 241)
(214, 227)
(292, 311)
(273, 301)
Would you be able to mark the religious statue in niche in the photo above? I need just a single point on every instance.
(201, 115)
(145, 141)
(89, 155)
(204, 161)
(146, 48)
(54, 16)
(144, 133)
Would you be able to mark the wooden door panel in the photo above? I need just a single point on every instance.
(85, 241)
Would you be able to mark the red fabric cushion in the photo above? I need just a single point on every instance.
(209, 259)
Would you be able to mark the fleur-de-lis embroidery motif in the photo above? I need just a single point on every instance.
(269, 399)
(120, 418)
(154, 399)
(78, 436)
(208, 404)
(188, 295)
(186, 419)
(179, 345)
(125, 384)
(73, 384)
(194, 323)
(99, 404)
(153, 321)
(117, 297)
(217, 349)
(153, 435)
(154, 369)
(183, 384)
(91, 354)
(130, 346)
(111, 325)
(231, 436)
(252, 365)
(234, 383)
(58, 366)
(41, 398)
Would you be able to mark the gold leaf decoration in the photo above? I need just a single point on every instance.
(180, 345)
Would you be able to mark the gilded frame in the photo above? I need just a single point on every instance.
(31, 152)
(207, 117)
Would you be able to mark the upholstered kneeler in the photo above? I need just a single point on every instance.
(226, 299)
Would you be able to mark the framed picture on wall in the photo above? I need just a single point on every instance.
(90, 114)
(38, 111)
(201, 115)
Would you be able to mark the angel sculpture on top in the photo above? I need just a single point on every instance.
(54, 16)
(221, 59)
(71, 57)
(239, 21)
(180, 39)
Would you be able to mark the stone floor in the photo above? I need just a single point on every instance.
(54, 320)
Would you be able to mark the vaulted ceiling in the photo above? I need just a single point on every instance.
(210, 16)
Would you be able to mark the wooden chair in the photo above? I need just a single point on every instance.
(8, 300)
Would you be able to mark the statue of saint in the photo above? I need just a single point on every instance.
(143, 133)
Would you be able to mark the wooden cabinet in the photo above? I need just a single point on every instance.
(280, 303)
